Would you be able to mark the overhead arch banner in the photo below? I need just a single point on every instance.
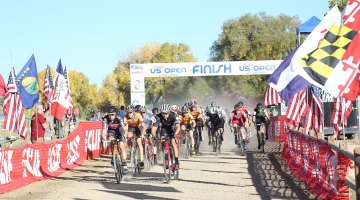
(139, 71)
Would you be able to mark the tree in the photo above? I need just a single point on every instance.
(341, 3)
(252, 37)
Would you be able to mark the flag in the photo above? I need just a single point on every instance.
(297, 108)
(70, 112)
(60, 102)
(287, 81)
(334, 65)
(341, 111)
(2, 86)
(14, 116)
(27, 83)
(314, 117)
(272, 97)
(48, 86)
(286, 78)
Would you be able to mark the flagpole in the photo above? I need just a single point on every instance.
(36, 119)
(343, 120)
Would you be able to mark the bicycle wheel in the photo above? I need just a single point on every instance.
(166, 166)
(187, 145)
(218, 144)
(133, 159)
(146, 157)
(196, 139)
(262, 142)
(240, 143)
(137, 160)
(120, 168)
(115, 166)
(151, 155)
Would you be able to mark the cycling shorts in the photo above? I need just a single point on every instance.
(135, 130)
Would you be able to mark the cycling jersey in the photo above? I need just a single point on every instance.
(196, 113)
(135, 121)
(112, 126)
(167, 124)
(185, 118)
(239, 117)
(260, 116)
(149, 120)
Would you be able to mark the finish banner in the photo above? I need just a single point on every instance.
(316, 164)
(39, 161)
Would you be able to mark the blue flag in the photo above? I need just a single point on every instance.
(60, 69)
(27, 82)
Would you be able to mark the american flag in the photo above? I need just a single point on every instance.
(13, 109)
(48, 86)
(296, 108)
(69, 113)
(341, 111)
(272, 97)
(314, 118)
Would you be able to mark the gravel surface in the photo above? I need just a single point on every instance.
(227, 176)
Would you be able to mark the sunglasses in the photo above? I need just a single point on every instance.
(112, 114)
(164, 113)
(130, 112)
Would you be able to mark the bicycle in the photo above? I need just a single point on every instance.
(116, 159)
(196, 141)
(216, 139)
(240, 139)
(169, 160)
(262, 136)
(135, 157)
(148, 152)
(187, 144)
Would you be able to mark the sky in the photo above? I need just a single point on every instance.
(91, 36)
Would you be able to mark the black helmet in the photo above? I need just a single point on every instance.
(240, 103)
(213, 104)
(184, 109)
(111, 109)
(155, 111)
(259, 105)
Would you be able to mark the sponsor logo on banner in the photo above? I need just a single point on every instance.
(31, 162)
(168, 70)
(54, 158)
(73, 150)
(212, 69)
(92, 140)
(137, 84)
(257, 68)
(5, 166)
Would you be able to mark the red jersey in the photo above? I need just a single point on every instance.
(40, 129)
(239, 116)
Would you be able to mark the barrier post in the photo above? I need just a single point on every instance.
(357, 172)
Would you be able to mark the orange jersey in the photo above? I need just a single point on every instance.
(195, 113)
(185, 118)
(135, 121)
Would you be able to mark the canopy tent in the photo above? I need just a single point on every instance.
(307, 27)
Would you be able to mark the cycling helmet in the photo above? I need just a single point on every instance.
(212, 104)
(213, 110)
(240, 103)
(155, 111)
(129, 108)
(165, 108)
(174, 108)
(194, 102)
(142, 109)
(184, 109)
(187, 104)
(111, 109)
(137, 108)
(259, 105)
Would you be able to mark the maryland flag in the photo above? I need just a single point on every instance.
(334, 65)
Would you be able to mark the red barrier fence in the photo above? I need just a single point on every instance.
(39, 161)
(316, 164)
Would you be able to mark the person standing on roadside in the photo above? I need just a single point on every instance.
(38, 125)
(59, 127)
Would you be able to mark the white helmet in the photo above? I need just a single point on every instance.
(213, 110)
(174, 108)
(165, 108)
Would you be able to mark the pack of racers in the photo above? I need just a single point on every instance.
(170, 120)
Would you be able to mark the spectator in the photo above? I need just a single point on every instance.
(59, 127)
(122, 112)
(49, 131)
(38, 125)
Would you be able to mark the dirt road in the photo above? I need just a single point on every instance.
(227, 176)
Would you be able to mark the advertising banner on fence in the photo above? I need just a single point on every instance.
(39, 161)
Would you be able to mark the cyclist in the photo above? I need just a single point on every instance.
(155, 111)
(214, 121)
(198, 116)
(111, 126)
(187, 122)
(239, 119)
(223, 118)
(261, 115)
(133, 122)
(166, 120)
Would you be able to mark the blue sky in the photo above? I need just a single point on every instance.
(90, 36)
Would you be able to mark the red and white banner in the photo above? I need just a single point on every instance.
(315, 163)
(39, 161)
